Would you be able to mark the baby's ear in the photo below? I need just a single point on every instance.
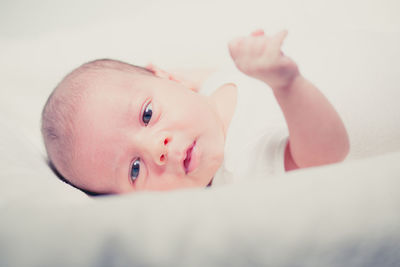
(173, 77)
(158, 72)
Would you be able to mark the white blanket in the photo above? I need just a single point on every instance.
(340, 215)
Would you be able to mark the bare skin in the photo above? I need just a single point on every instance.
(152, 133)
(317, 135)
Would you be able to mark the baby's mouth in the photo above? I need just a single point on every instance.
(186, 162)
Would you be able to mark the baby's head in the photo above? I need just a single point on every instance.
(111, 127)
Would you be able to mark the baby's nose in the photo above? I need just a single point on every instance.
(160, 149)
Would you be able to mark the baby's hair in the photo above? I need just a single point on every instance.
(59, 113)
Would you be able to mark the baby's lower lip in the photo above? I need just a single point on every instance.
(192, 159)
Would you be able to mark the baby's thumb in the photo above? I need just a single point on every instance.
(233, 46)
(280, 37)
(258, 32)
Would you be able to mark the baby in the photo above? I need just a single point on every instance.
(110, 127)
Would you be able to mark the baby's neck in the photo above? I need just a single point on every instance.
(225, 98)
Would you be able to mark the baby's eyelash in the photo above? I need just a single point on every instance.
(147, 112)
(135, 170)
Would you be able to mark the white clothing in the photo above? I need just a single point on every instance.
(257, 135)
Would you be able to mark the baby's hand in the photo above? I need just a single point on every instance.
(260, 56)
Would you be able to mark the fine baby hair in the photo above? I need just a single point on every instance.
(59, 112)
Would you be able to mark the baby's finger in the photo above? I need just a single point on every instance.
(258, 32)
(234, 46)
(280, 37)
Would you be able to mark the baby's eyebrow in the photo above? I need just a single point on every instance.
(116, 167)
(133, 109)
(120, 165)
(131, 116)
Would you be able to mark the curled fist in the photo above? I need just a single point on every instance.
(260, 57)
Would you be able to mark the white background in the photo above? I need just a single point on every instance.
(348, 48)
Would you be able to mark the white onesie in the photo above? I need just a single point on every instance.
(257, 135)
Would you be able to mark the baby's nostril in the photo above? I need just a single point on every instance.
(162, 158)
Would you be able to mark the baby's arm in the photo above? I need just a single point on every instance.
(317, 135)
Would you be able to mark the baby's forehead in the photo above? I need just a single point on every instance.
(106, 86)
(113, 87)
(111, 80)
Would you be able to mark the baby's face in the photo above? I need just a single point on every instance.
(145, 133)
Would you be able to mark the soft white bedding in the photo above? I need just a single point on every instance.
(340, 215)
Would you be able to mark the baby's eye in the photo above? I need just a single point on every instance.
(147, 113)
(135, 169)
